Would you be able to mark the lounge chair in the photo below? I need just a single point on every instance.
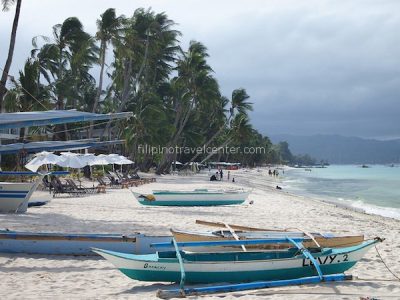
(59, 188)
(82, 189)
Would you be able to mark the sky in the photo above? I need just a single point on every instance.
(310, 67)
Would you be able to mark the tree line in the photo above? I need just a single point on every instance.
(136, 63)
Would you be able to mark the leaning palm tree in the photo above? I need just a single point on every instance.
(240, 130)
(148, 42)
(108, 27)
(239, 105)
(6, 5)
(193, 86)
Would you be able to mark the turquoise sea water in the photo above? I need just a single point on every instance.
(375, 189)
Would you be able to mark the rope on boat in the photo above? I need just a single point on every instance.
(377, 251)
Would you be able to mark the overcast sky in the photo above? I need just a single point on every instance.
(310, 67)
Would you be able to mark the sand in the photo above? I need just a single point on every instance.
(64, 277)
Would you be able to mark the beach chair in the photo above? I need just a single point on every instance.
(120, 180)
(58, 188)
(86, 190)
(101, 181)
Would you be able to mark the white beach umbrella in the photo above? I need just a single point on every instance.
(118, 159)
(100, 160)
(72, 160)
(125, 161)
(42, 158)
(88, 158)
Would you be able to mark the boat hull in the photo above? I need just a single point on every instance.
(153, 268)
(193, 198)
(14, 196)
(75, 244)
(325, 242)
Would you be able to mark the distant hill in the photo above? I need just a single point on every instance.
(343, 150)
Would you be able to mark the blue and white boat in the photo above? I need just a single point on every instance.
(14, 196)
(213, 267)
(53, 243)
(197, 197)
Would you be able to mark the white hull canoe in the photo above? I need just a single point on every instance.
(76, 244)
(201, 197)
(325, 241)
(235, 266)
(14, 196)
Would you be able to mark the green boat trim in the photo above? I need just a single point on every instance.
(144, 201)
(242, 276)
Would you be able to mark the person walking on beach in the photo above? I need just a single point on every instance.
(221, 174)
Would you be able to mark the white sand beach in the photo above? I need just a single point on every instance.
(64, 277)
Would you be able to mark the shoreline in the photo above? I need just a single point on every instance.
(325, 201)
(357, 205)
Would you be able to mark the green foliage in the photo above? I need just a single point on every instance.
(173, 93)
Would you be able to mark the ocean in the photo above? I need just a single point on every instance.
(375, 189)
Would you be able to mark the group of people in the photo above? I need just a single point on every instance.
(219, 175)
(274, 173)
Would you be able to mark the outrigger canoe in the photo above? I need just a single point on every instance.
(241, 267)
(197, 197)
(325, 240)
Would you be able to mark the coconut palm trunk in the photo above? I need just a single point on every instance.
(129, 88)
(7, 66)
(225, 144)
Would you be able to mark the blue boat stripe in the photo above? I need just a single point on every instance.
(12, 192)
(13, 195)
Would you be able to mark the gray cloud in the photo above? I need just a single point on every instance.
(309, 67)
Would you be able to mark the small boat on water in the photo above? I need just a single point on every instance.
(311, 240)
(14, 196)
(197, 197)
(75, 243)
(212, 267)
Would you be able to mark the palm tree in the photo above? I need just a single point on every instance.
(108, 28)
(241, 130)
(192, 86)
(239, 105)
(66, 60)
(6, 4)
(27, 94)
(148, 43)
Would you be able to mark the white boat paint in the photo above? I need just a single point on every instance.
(201, 197)
(138, 263)
(14, 196)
